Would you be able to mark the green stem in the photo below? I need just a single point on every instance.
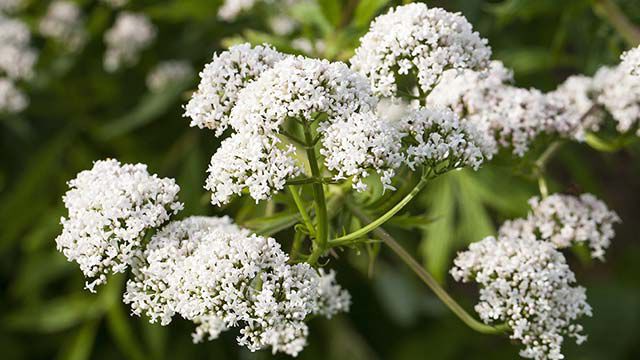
(322, 229)
(609, 10)
(348, 239)
(428, 279)
(298, 237)
(302, 209)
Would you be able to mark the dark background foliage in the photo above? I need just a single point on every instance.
(79, 113)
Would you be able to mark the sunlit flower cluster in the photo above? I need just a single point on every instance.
(221, 81)
(130, 34)
(111, 207)
(167, 73)
(63, 22)
(17, 58)
(566, 220)
(619, 93)
(417, 43)
(220, 276)
(527, 284)
(631, 61)
(12, 100)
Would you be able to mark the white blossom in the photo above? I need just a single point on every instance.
(231, 9)
(111, 207)
(525, 283)
(572, 111)
(220, 276)
(64, 22)
(619, 93)
(130, 34)
(283, 25)
(167, 73)
(442, 141)
(17, 58)
(12, 100)
(261, 164)
(631, 61)
(417, 42)
(566, 220)
(363, 142)
(221, 81)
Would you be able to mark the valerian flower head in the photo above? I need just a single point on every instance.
(220, 276)
(442, 142)
(259, 163)
(631, 61)
(111, 208)
(619, 93)
(527, 284)
(221, 82)
(130, 34)
(64, 23)
(571, 108)
(17, 58)
(168, 72)
(12, 100)
(422, 43)
(566, 220)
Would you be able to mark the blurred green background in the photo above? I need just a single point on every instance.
(80, 113)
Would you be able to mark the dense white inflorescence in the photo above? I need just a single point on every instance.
(525, 283)
(572, 111)
(130, 34)
(363, 142)
(220, 276)
(17, 59)
(631, 61)
(167, 73)
(12, 100)
(221, 81)
(261, 164)
(566, 220)
(111, 207)
(442, 141)
(64, 23)
(619, 93)
(414, 41)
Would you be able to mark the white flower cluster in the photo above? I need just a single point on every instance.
(619, 93)
(111, 207)
(631, 61)
(64, 23)
(261, 164)
(221, 81)
(422, 43)
(167, 73)
(115, 3)
(230, 10)
(443, 142)
(527, 284)
(565, 220)
(130, 34)
(17, 58)
(12, 100)
(220, 276)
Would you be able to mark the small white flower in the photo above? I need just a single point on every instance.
(261, 164)
(631, 61)
(566, 220)
(231, 9)
(221, 81)
(17, 59)
(619, 93)
(167, 73)
(527, 284)
(130, 34)
(12, 100)
(442, 141)
(421, 42)
(111, 207)
(64, 23)
(220, 276)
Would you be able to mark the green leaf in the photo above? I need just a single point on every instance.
(366, 11)
(79, 348)
(331, 11)
(475, 222)
(124, 337)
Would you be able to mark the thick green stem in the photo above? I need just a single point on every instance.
(322, 228)
(349, 238)
(609, 10)
(428, 279)
(302, 209)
